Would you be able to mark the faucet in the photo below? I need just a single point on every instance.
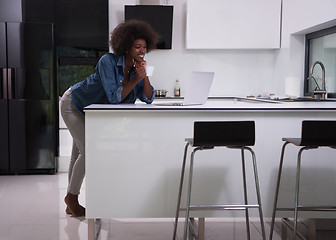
(318, 91)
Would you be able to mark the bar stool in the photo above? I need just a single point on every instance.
(314, 134)
(208, 135)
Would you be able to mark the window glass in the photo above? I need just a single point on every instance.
(321, 46)
(75, 65)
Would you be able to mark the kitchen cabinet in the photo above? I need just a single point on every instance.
(27, 102)
(239, 24)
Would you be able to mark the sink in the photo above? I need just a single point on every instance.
(244, 100)
(256, 100)
(308, 99)
(267, 100)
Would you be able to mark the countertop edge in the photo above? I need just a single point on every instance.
(253, 109)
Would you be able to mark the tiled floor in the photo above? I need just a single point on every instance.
(32, 208)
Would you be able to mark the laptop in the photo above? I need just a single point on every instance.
(197, 91)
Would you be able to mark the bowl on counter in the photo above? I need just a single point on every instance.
(331, 95)
(160, 93)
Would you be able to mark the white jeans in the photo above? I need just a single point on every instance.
(75, 122)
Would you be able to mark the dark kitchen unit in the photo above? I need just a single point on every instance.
(27, 93)
(45, 47)
(159, 17)
(81, 36)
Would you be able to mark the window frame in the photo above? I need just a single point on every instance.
(308, 38)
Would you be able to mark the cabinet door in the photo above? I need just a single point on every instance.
(4, 158)
(10, 11)
(239, 24)
(31, 104)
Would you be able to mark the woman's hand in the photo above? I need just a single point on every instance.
(140, 74)
(140, 70)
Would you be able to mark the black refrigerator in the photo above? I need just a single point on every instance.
(27, 98)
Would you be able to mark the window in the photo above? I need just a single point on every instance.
(321, 46)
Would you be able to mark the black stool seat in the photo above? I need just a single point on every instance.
(217, 134)
(208, 135)
(314, 134)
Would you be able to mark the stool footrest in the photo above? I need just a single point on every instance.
(310, 208)
(287, 223)
(220, 207)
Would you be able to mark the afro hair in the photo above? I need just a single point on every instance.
(123, 36)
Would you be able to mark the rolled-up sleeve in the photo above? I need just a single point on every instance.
(144, 98)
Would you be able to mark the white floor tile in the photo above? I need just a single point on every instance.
(32, 208)
(34, 232)
(142, 231)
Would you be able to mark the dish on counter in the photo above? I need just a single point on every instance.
(161, 93)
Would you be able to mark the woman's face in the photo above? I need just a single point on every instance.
(138, 50)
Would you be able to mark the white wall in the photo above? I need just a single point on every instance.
(299, 18)
(238, 72)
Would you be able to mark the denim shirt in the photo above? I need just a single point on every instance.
(105, 85)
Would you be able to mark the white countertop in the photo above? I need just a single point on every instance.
(226, 104)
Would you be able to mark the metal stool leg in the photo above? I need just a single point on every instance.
(186, 223)
(245, 196)
(297, 190)
(277, 189)
(256, 179)
(180, 191)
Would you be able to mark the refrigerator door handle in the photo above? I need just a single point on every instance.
(10, 73)
(4, 83)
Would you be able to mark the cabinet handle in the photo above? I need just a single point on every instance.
(10, 82)
(4, 83)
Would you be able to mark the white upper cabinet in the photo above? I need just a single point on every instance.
(233, 24)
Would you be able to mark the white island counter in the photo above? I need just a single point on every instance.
(134, 155)
(224, 104)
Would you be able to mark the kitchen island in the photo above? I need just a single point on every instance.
(134, 155)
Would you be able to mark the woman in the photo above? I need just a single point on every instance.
(119, 77)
